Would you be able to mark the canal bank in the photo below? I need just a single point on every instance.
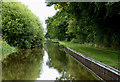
(105, 55)
(65, 64)
(101, 70)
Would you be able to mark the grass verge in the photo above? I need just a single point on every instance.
(6, 49)
(104, 55)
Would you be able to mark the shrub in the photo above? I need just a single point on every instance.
(20, 26)
(75, 40)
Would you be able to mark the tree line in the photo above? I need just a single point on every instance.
(85, 22)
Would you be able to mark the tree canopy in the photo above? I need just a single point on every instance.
(89, 22)
(20, 26)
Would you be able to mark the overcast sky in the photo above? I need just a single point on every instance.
(38, 7)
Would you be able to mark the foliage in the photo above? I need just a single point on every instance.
(75, 40)
(6, 49)
(20, 26)
(56, 26)
(91, 22)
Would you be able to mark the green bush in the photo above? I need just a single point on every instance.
(115, 41)
(75, 40)
(20, 26)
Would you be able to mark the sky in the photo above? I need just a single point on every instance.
(39, 8)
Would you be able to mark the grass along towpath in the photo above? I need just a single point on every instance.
(104, 55)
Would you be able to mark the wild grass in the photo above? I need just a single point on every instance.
(6, 49)
(104, 55)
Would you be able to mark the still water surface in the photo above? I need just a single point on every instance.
(50, 63)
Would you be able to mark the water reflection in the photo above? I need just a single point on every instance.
(66, 66)
(50, 64)
(23, 65)
(47, 73)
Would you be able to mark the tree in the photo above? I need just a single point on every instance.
(92, 22)
(20, 26)
(56, 26)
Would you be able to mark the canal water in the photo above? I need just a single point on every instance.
(48, 63)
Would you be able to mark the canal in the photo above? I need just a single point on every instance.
(48, 63)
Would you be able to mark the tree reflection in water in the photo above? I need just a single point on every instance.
(28, 64)
(23, 65)
(66, 66)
